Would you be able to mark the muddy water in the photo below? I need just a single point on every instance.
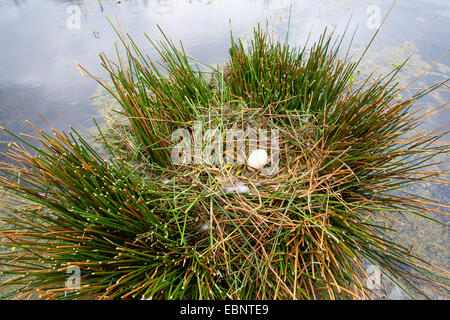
(42, 40)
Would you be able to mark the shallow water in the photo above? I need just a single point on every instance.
(41, 43)
(40, 46)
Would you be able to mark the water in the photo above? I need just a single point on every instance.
(39, 52)
(41, 44)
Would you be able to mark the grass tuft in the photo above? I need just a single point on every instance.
(141, 227)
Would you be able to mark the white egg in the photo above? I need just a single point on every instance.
(258, 159)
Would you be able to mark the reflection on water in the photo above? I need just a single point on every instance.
(40, 50)
(42, 40)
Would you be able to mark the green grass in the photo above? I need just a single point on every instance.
(272, 73)
(134, 223)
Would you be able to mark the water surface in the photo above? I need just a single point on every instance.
(39, 51)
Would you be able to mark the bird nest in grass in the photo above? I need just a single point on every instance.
(271, 177)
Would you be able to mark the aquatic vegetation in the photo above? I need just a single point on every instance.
(140, 226)
(272, 73)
